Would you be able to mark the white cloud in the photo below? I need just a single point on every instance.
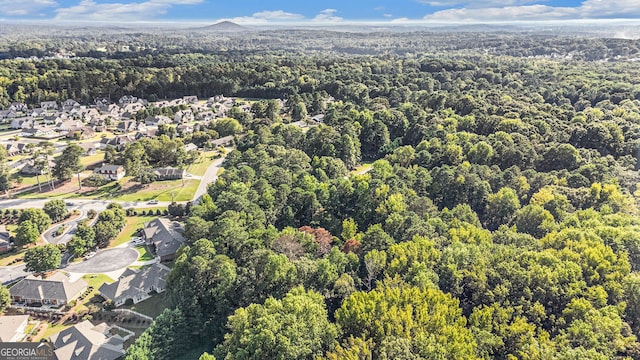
(477, 3)
(588, 9)
(388, 16)
(91, 10)
(327, 15)
(24, 7)
(278, 15)
(264, 17)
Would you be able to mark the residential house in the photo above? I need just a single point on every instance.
(55, 290)
(183, 116)
(127, 126)
(127, 99)
(319, 118)
(132, 108)
(190, 147)
(169, 173)
(223, 141)
(67, 125)
(136, 285)
(54, 119)
(69, 104)
(146, 133)
(18, 107)
(111, 172)
(39, 132)
(110, 109)
(81, 132)
(12, 149)
(164, 237)
(88, 148)
(37, 113)
(22, 123)
(190, 99)
(31, 169)
(205, 116)
(157, 120)
(5, 240)
(8, 114)
(184, 129)
(85, 341)
(118, 142)
(12, 327)
(49, 105)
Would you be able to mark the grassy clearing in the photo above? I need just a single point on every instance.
(145, 254)
(94, 280)
(133, 224)
(365, 167)
(92, 159)
(153, 306)
(54, 329)
(7, 258)
(199, 168)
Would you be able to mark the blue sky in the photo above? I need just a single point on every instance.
(319, 12)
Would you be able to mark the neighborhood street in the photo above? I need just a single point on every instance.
(210, 176)
(10, 273)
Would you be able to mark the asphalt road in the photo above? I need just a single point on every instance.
(105, 261)
(10, 273)
(210, 176)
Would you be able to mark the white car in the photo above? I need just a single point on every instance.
(152, 202)
(137, 241)
(90, 255)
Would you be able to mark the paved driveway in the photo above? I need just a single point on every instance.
(105, 261)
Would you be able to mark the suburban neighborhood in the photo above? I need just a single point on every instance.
(115, 225)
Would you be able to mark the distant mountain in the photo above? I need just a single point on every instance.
(225, 26)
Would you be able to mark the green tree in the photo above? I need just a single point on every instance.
(5, 298)
(228, 126)
(501, 208)
(42, 258)
(428, 320)
(68, 163)
(37, 217)
(56, 209)
(26, 233)
(295, 327)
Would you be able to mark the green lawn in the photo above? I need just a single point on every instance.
(54, 329)
(7, 258)
(92, 159)
(145, 254)
(199, 168)
(133, 224)
(26, 180)
(153, 306)
(161, 191)
(94, 280)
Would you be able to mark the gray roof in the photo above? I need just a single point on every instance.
(166, 235)
(84, 341)
(108, 168)
(9, 326)
(4, 234)
(222, 141)
(133, 283)
(57, 286)
(169, 171)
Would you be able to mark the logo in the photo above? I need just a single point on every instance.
(27, 351)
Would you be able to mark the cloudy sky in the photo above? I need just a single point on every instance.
(318, 11)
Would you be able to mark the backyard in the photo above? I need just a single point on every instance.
(130, 229)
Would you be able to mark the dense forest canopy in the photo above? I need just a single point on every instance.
(498, 219)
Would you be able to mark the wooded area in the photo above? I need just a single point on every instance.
(498, 219)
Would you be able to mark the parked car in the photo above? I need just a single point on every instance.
(137, 241)
(90, 255)
(152, 202)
